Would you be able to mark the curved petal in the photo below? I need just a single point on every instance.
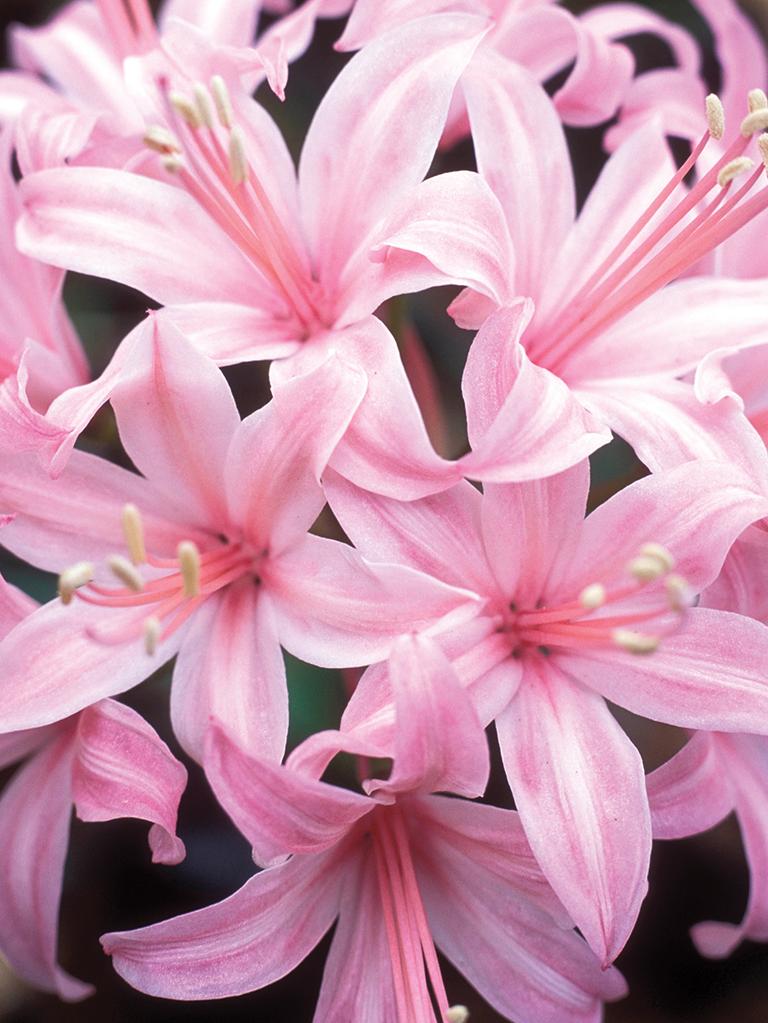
(249, 940)
(230, 669)
(230, 24)
(15, 605)
(579, 786)
(690, 792)
(229, 333)
(123, 768)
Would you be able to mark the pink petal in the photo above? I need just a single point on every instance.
(15, 605)
(230, 24)
(273, 468)
(741, 586)
(278, 810)
(123, 768)
(371, 18)
(710, 675)
(249, 940)
(230, 669)
(579, 785)
(691, 792)
(335, 610)
(34, 818)
(229, 333)
(391, 99)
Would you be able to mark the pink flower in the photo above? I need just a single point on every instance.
(569, 608)
(402, 870)
(107, 762)
(218, 568)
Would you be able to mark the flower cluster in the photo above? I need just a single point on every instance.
(454, 593)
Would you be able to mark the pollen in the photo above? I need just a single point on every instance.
(715, 116)
(732, 170)
(126, 572)
(73, 578)
(592, 596)
(754, 122)
(152, 629)
(160, 140)
(204, 105)
(133, 531)
(757, 100)
(189, 562)
(660, 552)
(635, 642)
(222, 101)
(184, 105)
(238, 161)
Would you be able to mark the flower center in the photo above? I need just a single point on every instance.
(618, 615)
(208, 153)
(130, 25)
(164, 602)
(644, 261)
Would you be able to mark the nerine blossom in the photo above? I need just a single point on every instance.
(205, 555)
(402, 869)
(106, 762)
(575, 611)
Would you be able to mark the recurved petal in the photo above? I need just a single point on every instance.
(691, 792)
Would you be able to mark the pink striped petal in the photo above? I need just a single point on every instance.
(690, 792)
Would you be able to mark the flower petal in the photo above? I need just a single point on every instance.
(690, 792)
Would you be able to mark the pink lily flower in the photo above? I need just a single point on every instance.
(610, 319)
(106, 762)
(536, 34)
(569, 608)
(402, 869)
(205, 555)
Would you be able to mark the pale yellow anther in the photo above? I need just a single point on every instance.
(732, 170)
(635, 642)
(660, 552)
(172, 163)
(754, 122)
(679, 592)
(126, 572)
(222, 101)
(715, 116)
(186, 107)
(762, 145)
(73, 578)
(189, 562)
(756, 100)
(161, 140)
(238, 161)
(133, 531)
(645, 568)
(592, 596)
(152, 630)
(457, 1014)
(204, 105)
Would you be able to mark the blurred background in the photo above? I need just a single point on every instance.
(110, 882)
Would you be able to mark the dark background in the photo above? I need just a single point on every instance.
(110, 883)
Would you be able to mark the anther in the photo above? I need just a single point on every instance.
(645, 569)
(238, 161)
(203, 104)
(592, 596)
(161, 140)
(732, 170)
(457, 1014)
(73, 578)
(679, 593)
(172, 163)
(184, 106)
(635, 642)
(757, 100)
(152, 630)
(660, 552)
(189, 562)
(222, 101)
(762, 145)
(715, 116)
(133, 531)
(754, 122)
(126, 572)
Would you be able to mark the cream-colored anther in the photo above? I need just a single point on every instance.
(754, 122)
(457, 1014)
(645, 568)
(126, 572)
(161, 140)
(152, 630)
(715, 116)
(189, 562)
(756, 100)
(679, 593)
(732, 170)
(660, 552)
(73, 578)
(186, 107)
(172, 163)
(762, 145)
(238, 161)
(204, 105)
(222, 101)
(635, 642)
(592, 596)
(133, 531)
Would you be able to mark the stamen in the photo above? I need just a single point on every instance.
(660, 552)
(161, 140)
(203, 105)
(457, 1014)
(635, 642)
(645, 569)
(592, 596)
(222, 101)
(183, 105)
(133, 530)
(189, 561)
(732, 170)
(757, 100)
(679, 593)
(238, 161)
(173, 164)
(715, 116)
(762, 145)
(152, 630)
(126, 572)
(73, 578)
(754, 122)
